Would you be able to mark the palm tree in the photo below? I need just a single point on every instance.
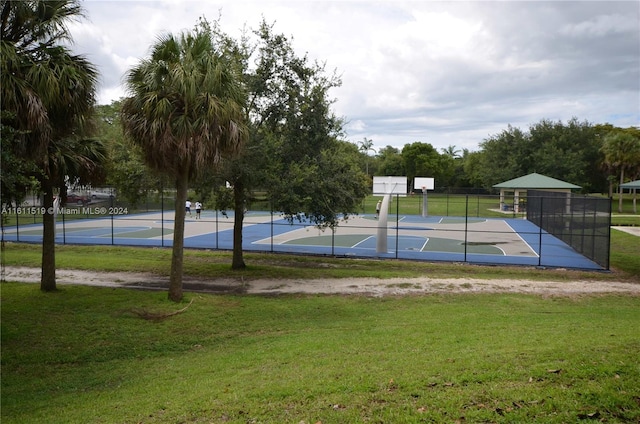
(621, 152)
(451, 151)
(185, 112)
(50, 93)
(365, 146)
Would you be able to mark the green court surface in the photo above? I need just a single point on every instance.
(338, 240)
(430, 244)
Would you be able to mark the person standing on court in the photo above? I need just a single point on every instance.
(187, 207)
(198, 209)
(378, 206)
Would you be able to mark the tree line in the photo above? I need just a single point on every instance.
(597, 157)
(228, 117)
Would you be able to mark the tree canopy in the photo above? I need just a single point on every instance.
(293, 154)
(567, 152)
(575, 151)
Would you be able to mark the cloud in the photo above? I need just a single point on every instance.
(446, 73)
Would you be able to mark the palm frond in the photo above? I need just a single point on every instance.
(185, 108)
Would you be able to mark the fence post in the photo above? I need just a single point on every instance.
(397, 221)
(466, 225)
(64, 230)
(333, 241)
(540, 232)
(18, 225)
(609, 234)
(594, 224)
(112, 240)
(162, 214)
(447, 202)
(582, 230)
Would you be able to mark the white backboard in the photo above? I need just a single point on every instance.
(389, 185)
(420, 182)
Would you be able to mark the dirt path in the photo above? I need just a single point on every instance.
(365, 286)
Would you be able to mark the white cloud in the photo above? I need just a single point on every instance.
(446, 73)
(600, 26)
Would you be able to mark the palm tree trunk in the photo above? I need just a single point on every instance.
(611, 179)
(48, 276)
(175, 280)
(620, 190)
(237, 261)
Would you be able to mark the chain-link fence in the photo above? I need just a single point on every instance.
(583, 222)
(434, 227)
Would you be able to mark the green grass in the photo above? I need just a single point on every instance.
(625, 250)
(81, 355)
(439, 204)
(625, 264)
(625, 220)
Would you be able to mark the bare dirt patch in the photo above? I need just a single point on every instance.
(363, 286)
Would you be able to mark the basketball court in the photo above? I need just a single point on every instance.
(512, 241)
(424, 238)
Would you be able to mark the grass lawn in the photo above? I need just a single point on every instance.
(85, 355)
(625, 253)
(625, 262)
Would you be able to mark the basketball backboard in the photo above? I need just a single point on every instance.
(423, 183)
(389, 185)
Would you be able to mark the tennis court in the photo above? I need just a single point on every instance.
(512, 241)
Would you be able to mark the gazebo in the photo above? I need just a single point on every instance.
(632, 186)
(532, 181)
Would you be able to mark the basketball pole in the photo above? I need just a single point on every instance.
(387, 187)
(425, 211)
(381, 242)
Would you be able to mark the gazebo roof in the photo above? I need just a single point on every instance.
(631, 184)
(536, 181)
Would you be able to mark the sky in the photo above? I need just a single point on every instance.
(448, 73)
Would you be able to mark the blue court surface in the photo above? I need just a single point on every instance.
(452, 239)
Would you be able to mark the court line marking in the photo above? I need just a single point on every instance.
(523, 240)
(424, 244)
(362, 241)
